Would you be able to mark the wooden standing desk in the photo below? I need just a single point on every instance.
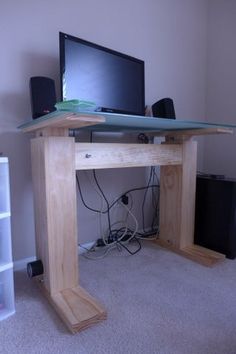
(56, 157)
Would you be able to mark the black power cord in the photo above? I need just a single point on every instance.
(116, 235)
(116, 201)
(126, 248)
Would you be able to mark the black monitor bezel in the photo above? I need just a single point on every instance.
(64, 36)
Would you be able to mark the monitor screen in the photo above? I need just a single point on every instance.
(112, 80)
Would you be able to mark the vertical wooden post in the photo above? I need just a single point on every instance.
(177, 208)
(177, 199)
(53, 172)
(53, 169)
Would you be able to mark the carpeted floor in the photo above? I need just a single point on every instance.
(157, 303)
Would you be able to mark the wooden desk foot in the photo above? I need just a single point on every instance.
(196, 253)
(77, 308)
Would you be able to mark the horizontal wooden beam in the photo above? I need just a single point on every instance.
(196, 253)
(188, 133)
(102, 155)
(76, 307)
(67, 120)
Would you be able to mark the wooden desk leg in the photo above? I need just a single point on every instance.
(53, 172)
(177, 208)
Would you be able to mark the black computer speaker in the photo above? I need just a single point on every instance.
(164, 108)
(43, 96)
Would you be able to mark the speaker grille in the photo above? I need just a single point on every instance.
(164, 108)
(43, 95)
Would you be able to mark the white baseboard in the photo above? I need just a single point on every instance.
(22, 263)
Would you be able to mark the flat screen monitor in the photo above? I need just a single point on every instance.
(112, 80)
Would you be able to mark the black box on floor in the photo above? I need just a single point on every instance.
(215, 217)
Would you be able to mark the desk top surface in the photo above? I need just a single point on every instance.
(100, 121)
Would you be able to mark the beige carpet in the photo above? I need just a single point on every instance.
(157, 302)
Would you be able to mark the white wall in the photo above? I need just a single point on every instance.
(169, 35)
(221, 86)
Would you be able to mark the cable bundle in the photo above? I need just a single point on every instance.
(121, 237)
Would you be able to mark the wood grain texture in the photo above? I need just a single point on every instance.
(53, 169)
(67, 120)
(196, 253)
(177, 199)
(54, 161)
(102, 155)
(75, 306)
(78, 309)
(52, 132)
(40, 205)
(188, 133)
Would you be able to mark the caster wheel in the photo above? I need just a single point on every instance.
(34, 268)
